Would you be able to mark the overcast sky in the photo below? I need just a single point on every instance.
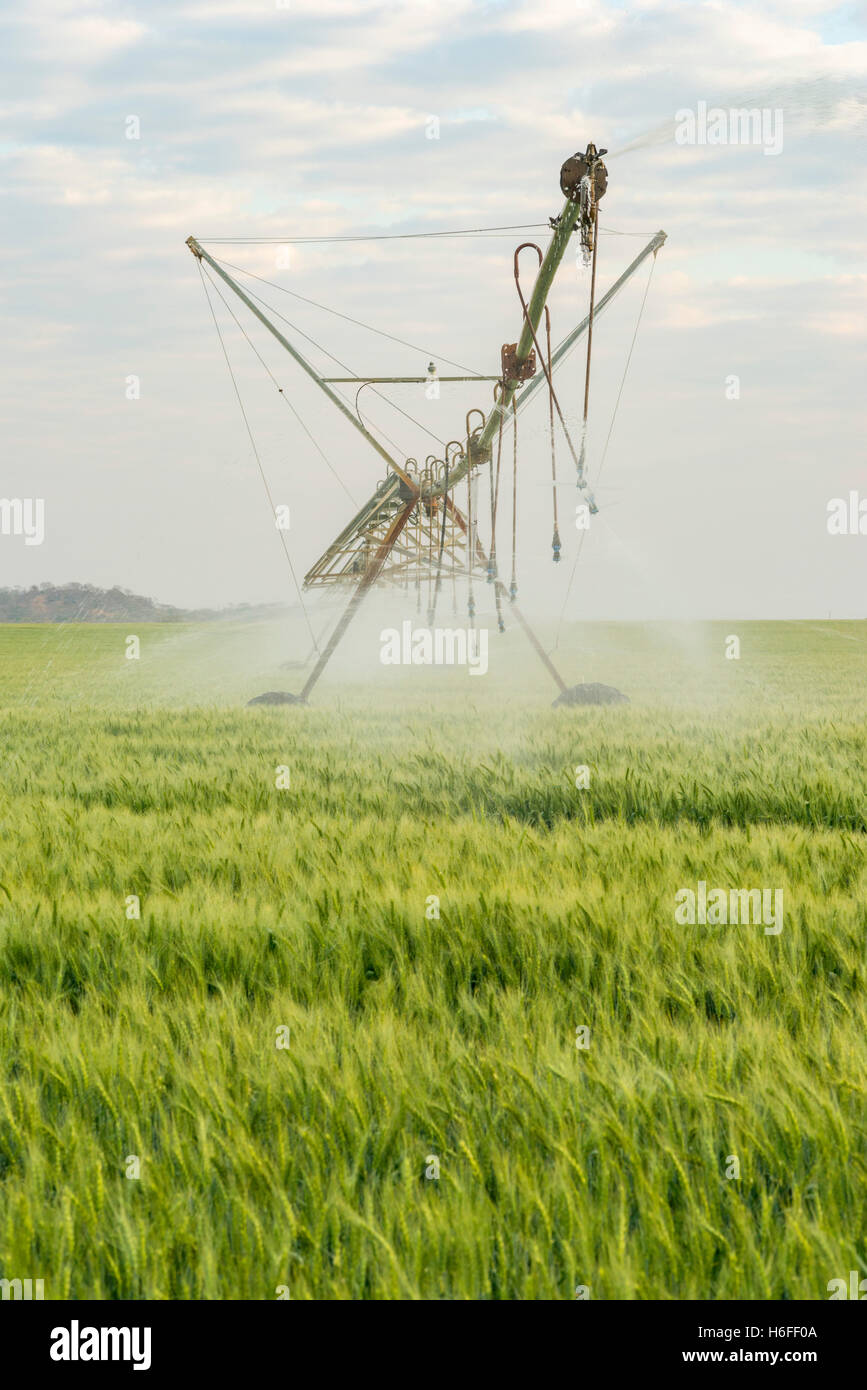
(312, 119)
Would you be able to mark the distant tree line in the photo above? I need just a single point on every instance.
(87, 603)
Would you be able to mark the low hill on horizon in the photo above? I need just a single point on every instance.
(87, 603)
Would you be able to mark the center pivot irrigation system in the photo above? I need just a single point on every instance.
(412, 532)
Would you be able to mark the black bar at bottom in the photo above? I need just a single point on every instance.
(58, 1340)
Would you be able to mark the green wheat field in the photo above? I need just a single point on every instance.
(418, 1042)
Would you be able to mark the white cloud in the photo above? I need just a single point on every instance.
(61, 33)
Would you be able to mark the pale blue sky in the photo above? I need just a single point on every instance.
(310, 119)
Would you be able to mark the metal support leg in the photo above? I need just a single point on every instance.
(533, 639)
(369, 578)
